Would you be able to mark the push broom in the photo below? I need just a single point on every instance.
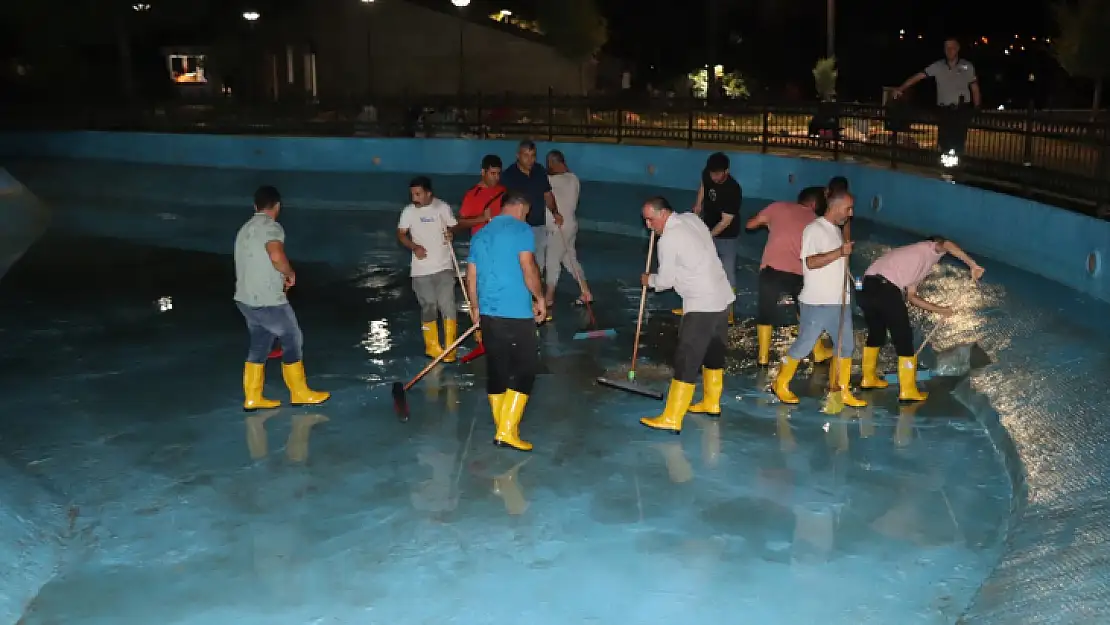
(922, 374)
(586, 334)
(400, 401)
(629, 384)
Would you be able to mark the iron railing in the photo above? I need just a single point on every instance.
(1060, 158)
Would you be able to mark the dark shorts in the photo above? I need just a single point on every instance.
(512, 354)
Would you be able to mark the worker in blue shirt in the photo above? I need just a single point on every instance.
(507, 301)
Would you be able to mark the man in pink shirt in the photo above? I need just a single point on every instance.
(888, 284)
(780, 270)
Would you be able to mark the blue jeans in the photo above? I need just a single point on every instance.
(818, 319)
(726, 251)
(267, 323)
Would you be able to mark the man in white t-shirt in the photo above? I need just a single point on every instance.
(825, 299)
(424, 228)
(561, 251)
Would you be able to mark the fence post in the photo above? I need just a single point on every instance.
(689, 123)
(550, 113)
(482, 134)
(1027, 149)
(620, 123)
(765, 139)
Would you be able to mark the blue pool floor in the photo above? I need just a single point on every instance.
(185, 510)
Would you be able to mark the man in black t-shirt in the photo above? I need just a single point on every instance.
(718, 203)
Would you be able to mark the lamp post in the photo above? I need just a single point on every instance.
(461, 4)
(830, 28)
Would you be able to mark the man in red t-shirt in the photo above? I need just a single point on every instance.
(483, 201)
(780, 270)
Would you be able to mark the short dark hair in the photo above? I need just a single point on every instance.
(817, 196)
(511, 198)
(837, 183)
(659, 203)
(489, 161)
(558, 156)
(526, 144)
(421, 182)
(717, 162)
(266, 197)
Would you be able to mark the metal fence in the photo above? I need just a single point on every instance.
(1062, 158)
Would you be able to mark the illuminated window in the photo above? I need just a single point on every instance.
(186, 68)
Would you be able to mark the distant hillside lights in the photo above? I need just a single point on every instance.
(506, 17)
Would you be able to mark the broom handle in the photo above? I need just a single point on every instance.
(643, 300)
(450, 348)
(928, 338)
(458, 272)
(833, 382)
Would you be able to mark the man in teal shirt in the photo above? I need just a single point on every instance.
(504, 284)
(262, 276)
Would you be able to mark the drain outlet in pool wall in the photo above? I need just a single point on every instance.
(377, 160)
(790, 179)
(651, 170)
(877, 203)
(1094, 264)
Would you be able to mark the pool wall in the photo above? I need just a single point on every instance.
(1042, 424)
(32, 521)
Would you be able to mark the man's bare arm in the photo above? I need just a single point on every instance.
(955, 250)
(756, 222)
(726, 219)
(532, 275)
(912, 298)
(911, 81)
(975, 97)
(276, 250)
(472, 290)
(406, 240)
(700, 198)
(818, 261)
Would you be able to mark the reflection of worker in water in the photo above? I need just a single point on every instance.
(780, 270)
(888, 284)
(263, 274)
(440, 454)
(507, 298)
(296, 447)
(688, 263)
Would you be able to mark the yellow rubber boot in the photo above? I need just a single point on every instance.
(254, 377)
(822, 351)
(677, 311)
(871, 377)
(713, 384)
(731, 316)
(299, 393)
(764, 334)
(844, 378)
(450, 328)
(782, 381)
(495, 408)
(432, 348)
(907, 380)
(678, 401)
(508, 425)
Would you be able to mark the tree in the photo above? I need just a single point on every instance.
(1083, 47)
(575, 28)
(824, 78)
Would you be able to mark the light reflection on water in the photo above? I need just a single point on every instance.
(377, 339)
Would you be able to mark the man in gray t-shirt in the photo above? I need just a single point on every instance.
(262, 276)
(957, 92)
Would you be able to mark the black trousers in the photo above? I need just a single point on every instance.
(702, 338)
(512, 356)
(773, 284)
(952, 123)
(884, 310)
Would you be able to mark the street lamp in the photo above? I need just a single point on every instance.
(251, 16)
(461, 4)
(140, 7)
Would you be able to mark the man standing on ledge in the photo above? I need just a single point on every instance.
(780, 271)
(689, 265)
(957, 93)
(504, 283)
(718, 203)
(825, 299)
(262, 276)
(887, 284)
(529, 178)
(424, 228)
